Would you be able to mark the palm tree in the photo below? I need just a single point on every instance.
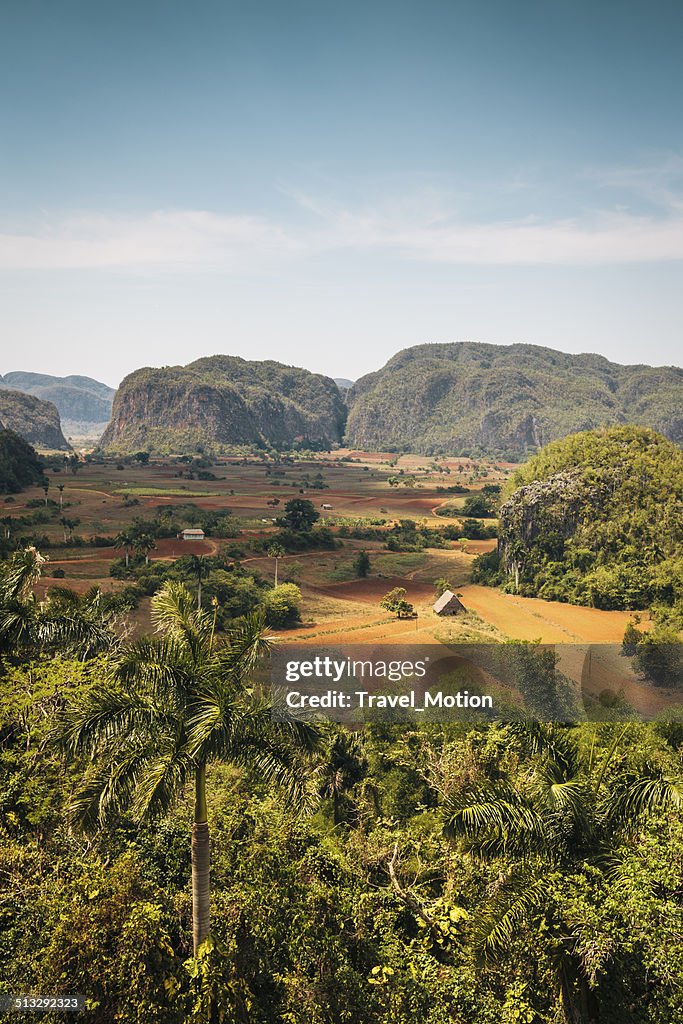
(178, 701)
(64, 622)
(78, 624)
(60, 488)
(144, 543)
(68, 525)
(344, 767)
(276, 551)
(7, 522)
(124, 542)
(201, 569)
(564, 818)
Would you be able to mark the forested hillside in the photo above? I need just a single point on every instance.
(225, 401)
(508, 400)
(19, 465)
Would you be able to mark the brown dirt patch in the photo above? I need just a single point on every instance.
(530, 618)
(372, 589)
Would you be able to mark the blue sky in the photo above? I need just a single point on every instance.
(325, 184)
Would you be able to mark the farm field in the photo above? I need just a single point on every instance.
(351, 489)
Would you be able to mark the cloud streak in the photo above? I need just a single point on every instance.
(407, 229)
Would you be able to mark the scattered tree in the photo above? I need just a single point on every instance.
(361, 564)
(395, 601)
(299, 515)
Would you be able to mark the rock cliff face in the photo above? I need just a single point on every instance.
(505, 400)
(33, 419)
(543, 515)
(223, 401)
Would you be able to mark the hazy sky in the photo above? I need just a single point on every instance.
(327, 183)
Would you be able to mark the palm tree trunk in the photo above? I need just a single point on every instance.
(276, 572)
(201, 862)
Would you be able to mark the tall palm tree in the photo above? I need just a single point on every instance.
(178, 701)
(564, 817)
(276, 551)
(68, 525)
(201, 568)
(124, 542)
(144, 543)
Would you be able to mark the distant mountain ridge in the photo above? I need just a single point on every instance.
(222, 401)
(35, 420)
(80, 400)
(504, 400)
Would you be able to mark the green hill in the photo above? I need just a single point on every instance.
(596, 519)
(504, 400)
(32, 418)
(79, 400)
(222, 401)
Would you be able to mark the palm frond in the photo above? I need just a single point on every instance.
(161, 779)
(280, 765)
(495, 821)
(519, 903)
(566, 796)
(175, 612)
(75, 634)
(111, 714)
(553, 742)
(642, 797)
(19, 575)
(161, 664)
(248, 642)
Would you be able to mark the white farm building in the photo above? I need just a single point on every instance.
(192, 534)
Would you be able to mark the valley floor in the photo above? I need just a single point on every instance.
(337, 606)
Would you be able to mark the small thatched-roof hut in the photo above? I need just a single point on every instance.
(448, 604)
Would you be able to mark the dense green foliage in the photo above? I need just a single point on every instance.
(35, 420)
(596, 518)
(19, 465)
(472, 399)
(450, 874)
(221, 401)
(299, 515)
(282, 606)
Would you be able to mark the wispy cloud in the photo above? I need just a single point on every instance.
(420, 227)
(163, 239)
